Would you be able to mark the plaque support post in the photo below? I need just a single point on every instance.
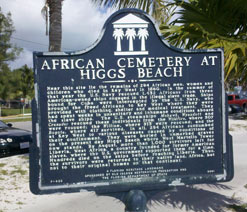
(135, 201)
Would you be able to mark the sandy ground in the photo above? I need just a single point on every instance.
(15, 194)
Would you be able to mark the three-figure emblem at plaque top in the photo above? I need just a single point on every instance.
(129, 27)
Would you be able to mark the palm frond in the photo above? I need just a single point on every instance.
(213, 24)
(156, 8)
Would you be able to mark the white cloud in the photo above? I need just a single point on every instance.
(82, 23)
(28, 22)
(26, 57)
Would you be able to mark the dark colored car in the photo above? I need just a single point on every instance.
(233, 108)
(13, 140)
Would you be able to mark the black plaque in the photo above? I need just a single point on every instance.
(130, 112)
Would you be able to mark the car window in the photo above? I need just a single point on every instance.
(237, 97)
(2, 125)
(230, 98)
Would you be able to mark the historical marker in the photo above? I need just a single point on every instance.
(131, 112)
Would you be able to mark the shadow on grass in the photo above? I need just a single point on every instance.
(237, 208)
(188, 198)
(238, 116)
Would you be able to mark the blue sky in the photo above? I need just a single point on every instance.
(82, 24)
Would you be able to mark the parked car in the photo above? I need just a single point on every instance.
(236, 103)
(232, 108)
(13, 140)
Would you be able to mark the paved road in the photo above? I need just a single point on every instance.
(27, 125)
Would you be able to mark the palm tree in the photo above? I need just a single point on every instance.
(118, 34)
(130, 34)
(143, 34)
(53, 14)
(213, 24)
(156, 8)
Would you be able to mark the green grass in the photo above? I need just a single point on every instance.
(19, 171)
(7, 201)
(20, 203)
(11, 112)
(2, 165)
(16, 120)
(25, 157)
(238, 208)
(3, 172)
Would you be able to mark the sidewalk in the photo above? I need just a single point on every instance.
(20, 116)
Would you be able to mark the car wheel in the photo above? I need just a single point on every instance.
(245, 108)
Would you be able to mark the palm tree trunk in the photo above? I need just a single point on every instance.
(55, 28)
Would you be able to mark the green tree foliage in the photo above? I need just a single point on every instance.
(16, 84)
(213, 24)
(23, 82)
(156, 8)
(5, 86)
(8, 51)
